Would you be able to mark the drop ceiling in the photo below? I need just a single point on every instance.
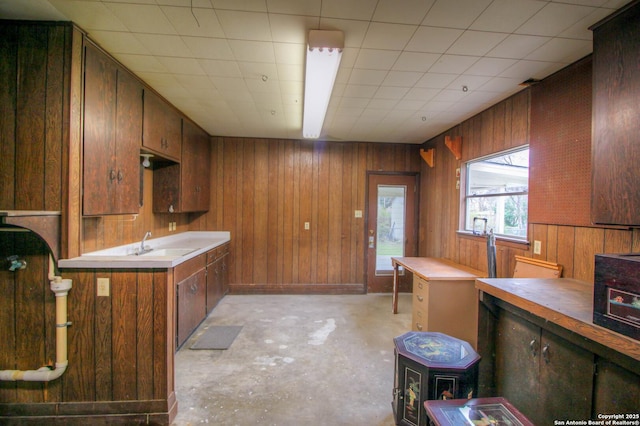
(236, 67)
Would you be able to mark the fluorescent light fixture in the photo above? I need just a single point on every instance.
(323, 59)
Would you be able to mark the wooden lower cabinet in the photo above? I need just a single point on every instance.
(191, 304)
(217, 275)
(191, 296)
(543, 375)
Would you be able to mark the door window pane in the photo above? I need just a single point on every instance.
(390, 233)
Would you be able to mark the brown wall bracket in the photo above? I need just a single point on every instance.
(455, 145)
(428, 156)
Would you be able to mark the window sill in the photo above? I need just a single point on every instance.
(499, 238)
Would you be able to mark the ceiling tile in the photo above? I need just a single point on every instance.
(246, 5)
(288, 72)
(141, 63)
(289, 53)
(412, 12)
(472, 82)
(256, 70)
(434, 80)
(291, 28)
(354, 31)
(554, 18)
(475, 43)
(415, 61)
(420, 94)
(353, 9)
(359, 91)
(196, 22)
(367, 77)
(386, 92)
(119, 42)
(506, 15)
(245, 25)
(376, 59)
(164, 45)
(209, 48)
(561, 50)
(388, 36)
(517, 46)
(524, 70)
(93, 15)
(298, 7)
(402, 78)
(490, 66)
(181, 65)
(220, 68)
(453, 64)
(455, 13)
(432, 39)
(196, 4)
(142, 18)
(256, 51)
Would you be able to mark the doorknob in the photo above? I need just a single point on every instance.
(372, 239)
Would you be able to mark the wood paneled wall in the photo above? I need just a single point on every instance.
(263, 192)
(506, 125)
(33, 122)
(120, 348)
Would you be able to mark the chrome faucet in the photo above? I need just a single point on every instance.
(144, 249)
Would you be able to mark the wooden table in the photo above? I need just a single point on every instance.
(455, 412)
(430, 268)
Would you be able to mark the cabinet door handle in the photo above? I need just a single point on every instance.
(420, 298)
(545, 353)
(533, 346)
(120, 176)
(419, 326)
(112, 175)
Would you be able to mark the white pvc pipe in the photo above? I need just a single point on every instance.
(61, 289)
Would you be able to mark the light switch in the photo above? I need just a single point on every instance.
(306, 226)
(358, 213)
(103, 287)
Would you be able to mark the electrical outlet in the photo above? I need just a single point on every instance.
(306, 226)
(537, 247)
(358, 213)
(103, 287)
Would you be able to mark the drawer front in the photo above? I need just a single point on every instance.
(419, 320)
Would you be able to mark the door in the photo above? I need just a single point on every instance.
(391, 228)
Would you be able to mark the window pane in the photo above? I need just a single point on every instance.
(503, 174)
(506, 215)
(390, 233)
(497, 190)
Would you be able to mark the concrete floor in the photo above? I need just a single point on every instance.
(317, 359)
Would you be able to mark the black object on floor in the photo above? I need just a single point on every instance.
(217, 337)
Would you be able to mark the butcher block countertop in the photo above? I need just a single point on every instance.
(562, 301)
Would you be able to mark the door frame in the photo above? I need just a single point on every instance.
(416, 175)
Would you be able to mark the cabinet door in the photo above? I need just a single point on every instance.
(194, 169)
(566, 380)
(191, 305)
(616, 391)
(112, 136)
(162, 127)
(517, 362)
(616, 105)
(99, 170)
(128, 142)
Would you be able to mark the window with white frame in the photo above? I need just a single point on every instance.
(496, 194)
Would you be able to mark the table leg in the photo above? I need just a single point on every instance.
(395, 287)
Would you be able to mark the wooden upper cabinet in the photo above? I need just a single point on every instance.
(162, 128)
(194, 170)
(185, 187)
(112, 136)
(616, 106)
